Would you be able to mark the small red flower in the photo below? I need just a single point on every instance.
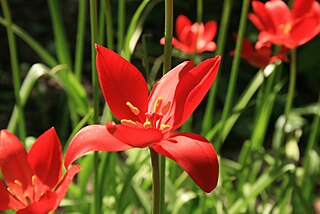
(282, 26)
(262, 56)
(194, 38)
(149, 121)
(32, 181)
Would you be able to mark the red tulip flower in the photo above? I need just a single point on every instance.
(149, 121)
(194, 38)
(282, 26)
(262, 56)
(32, 181)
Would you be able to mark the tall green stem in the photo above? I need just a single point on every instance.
(156, 186)
(234, 68)
(121, 24)
(292, 83)
(199, 10)
(14, 67)
(207, 122)
(94, 38)
(109, 23)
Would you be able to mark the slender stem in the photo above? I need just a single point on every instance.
(156, 182)
(199, 10)
(234, 68)
(82, 8)
(121, 23)
(207, 122)
(109, 23)
(15, 68)
(292, 83)
(94, 38)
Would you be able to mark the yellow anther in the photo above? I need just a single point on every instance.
(147, 124)
(134, 109)
(286, 28)
(157, 104)
(166, 108)
(18, 183)
(33, 180)
(164, 127)
(128, 123)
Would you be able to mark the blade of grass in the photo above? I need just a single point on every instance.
(109, 22)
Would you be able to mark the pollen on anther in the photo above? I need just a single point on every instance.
(157, 104)
(128, 123)
(164, 127)
(18, 182)
(133, 109)
(147, 124)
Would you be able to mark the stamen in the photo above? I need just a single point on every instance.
(134, 109)
(33, 180)
(18, 183)
(166, 108)
(147, 124)
(286, 28)
(164, 127)
(157, 104)
(128, 123)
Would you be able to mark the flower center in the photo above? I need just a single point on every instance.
(153, 119)
(286, 28)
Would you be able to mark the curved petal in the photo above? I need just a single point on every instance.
(256, 21)
(279, 13)
(263, 16)
(210, 30)
(195, 155)
(62, 188)
(45, 158)
(92, 138)
(205, 46)
(9, 145)
(166, 86)
(301, 7)
(8, 202)
(182, 22)
(191, 90)
(43, 206)
(121, 82)
(181, 46)
(304, 30)
(135, 137)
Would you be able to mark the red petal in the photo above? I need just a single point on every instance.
(92, 138)
(262, 14)
(166, 86)
(210, 30)
(301, 7)
(182, 22)
(192, 88)
(43, 206)
(195, 155)
(135, 137)
(45, 158)
(279, 13)
(304, 30)
(121, 82)
(8, 202)
(181, 46)
(9, 145)
(62, 188)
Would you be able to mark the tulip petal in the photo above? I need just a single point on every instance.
(191, 89)
(135, 137)
(301, 7)
(92, 138)
(10, 145)
(210, 30)
(262, 14)
(45, 158)
(304, 30)
(182, 22)
(44, 205)
(62, 188)
(279, 13)
(195, 155)
(121, 82)
(8, 202)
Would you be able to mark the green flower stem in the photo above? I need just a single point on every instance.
(234, 68)
(168, 26)
(156, 182)
(207, 122)
(109, 23)
(15, 68)
(292, 84)
(121, 24)
(199, 10)
(94, 38)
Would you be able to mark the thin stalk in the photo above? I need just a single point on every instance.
(234, 68)
(121, 23)
(168, 26)
(102, 24)
(207, 122)
(199, 10)
(292, 84)
(78, 62)
(15, 68)
(94, 37)
(156, 182)
(109, 23)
